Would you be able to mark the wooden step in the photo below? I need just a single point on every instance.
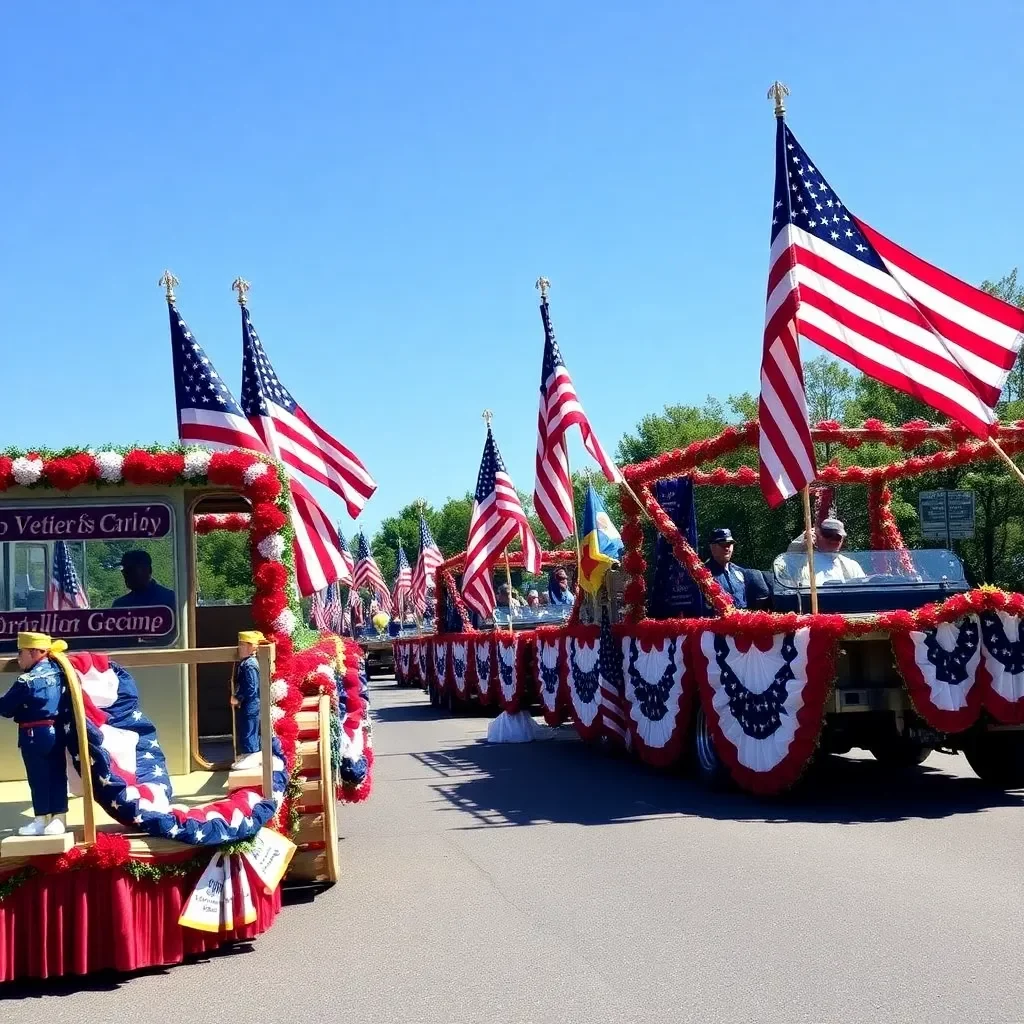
(310, 703)
(307, 756)
(310, 829)
(309, 866)
(309, 793)
(308, 723)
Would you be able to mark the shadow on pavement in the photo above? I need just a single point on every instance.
(567, 781)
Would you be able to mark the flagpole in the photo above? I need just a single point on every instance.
(420, 505)
(487, 417)
(1000, 451)
(809, 544)
(542, 285)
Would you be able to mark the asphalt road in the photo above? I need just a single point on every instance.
(554, 882)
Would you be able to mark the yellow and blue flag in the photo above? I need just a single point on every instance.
(600, 545)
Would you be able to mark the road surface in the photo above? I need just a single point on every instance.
(552, 882)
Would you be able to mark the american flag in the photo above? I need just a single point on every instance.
(355, 607)
(839, 283)
(208, 415)
(346, 556)
(403, 583)
(612, 682)
(367, 574)
(65, 590)
(560, 409)
(428, 560)
(291, 434)
(325, 610)
(497, 518)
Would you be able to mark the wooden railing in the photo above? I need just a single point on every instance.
(266, 655)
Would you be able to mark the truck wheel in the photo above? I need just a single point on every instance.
(711, 770)
(998, 758)
(899, 752)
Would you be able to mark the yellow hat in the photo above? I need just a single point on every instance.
(251, 636)
(34, 642)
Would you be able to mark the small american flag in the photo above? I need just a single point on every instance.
(560, 409)
(367, 574)
(291, 434)
(839, 283)
(428, 560)
(319, 612)
(403, 583)
(612, 682)
(208, 415)
(65, 590)
(497, 518)
(346, 556)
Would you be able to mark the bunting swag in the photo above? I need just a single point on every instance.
(550, 654)
(659, 693)
(764, 700)
(129, 772)
(940, 668)
(423, 661)
(486, 670)
(510, 681)
(403, 658)
(583, 683)
(1003, 662)
(441, 665)
(463, 669)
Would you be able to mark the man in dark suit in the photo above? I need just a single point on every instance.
(746, 587)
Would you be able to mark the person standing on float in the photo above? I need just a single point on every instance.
(37, 702)
(245, 700)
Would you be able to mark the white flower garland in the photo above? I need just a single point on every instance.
(271, 548)
(197, 463)
(109, 466)
(254, 472)
(27, 471)
(278, 690)
(286, 622)
(276, 714)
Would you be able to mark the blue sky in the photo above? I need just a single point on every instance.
(392, 178)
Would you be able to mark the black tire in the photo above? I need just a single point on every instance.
(435, 696)
(998, 759)
(899, 752)
(711, 769)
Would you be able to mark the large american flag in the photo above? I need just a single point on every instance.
(208, 415)
(841, 284)
(367, 574)
(560, 409)
(291, 434)
(497, 518)
(403, 583)
(427, 561)
(65, 590)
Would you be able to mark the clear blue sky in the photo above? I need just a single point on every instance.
(392, 177)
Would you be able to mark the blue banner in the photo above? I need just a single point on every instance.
(673, 593)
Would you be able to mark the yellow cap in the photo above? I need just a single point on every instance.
(34, 642)
(251, 636)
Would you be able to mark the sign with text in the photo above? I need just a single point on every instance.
(146, 623)
(674, 593)
(84, 522)
(946, 515)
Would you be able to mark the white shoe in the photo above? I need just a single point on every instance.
(56, 826)
(33, 828)
(247, 761)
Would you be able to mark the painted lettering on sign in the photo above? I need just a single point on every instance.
(110, 623)
(85, 522)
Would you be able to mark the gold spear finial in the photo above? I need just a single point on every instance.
(487, 417)
(241, 286)
(778, 92)
(543, 284)
(168, 282)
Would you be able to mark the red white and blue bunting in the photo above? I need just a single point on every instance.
(1003, 662)
(403, 659)
(463, 667)
(940, 669)
(550, 657)
(440, 653)
(765, 700)
(659, 692)
(510, 682)
(583, 681)
(423, 661)
(486, 669)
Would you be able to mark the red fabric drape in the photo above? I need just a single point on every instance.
(75, 922)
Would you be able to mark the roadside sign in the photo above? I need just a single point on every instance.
(946, 515)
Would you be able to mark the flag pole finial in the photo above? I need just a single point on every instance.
(241, 286)
(778, 92)
(542, 285)
(487, 417)
(168, 282)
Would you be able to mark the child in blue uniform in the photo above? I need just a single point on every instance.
(245, 699)
(37, 703)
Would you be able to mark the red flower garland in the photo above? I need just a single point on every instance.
(159, 469)
(70, 471)
(234, 522)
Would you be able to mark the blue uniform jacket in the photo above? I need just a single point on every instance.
(36, 694)
(247, 680)
(747, 587)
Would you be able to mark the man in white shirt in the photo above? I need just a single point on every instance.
(830, 566)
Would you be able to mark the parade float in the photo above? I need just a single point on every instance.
(168, 852)
(905, 659)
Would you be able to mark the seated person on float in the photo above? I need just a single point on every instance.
(830, 565)
(143, 590)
